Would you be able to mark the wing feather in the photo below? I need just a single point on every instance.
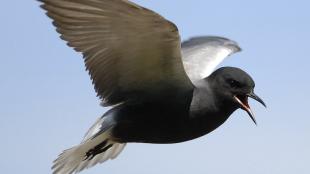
(201, 55)
(130, 52)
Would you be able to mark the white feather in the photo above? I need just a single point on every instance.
(73, 159)
(201, 55)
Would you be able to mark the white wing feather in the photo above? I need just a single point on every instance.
(201, 55)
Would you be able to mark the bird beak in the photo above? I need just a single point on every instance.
(243, 101)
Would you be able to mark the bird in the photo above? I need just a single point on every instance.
(159, 90)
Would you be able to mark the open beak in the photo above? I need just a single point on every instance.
(243, 101)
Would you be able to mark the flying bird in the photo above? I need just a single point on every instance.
(159, 89)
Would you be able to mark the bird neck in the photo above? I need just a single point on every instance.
(207, 111)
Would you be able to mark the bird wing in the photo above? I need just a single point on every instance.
(201, 55)
(130, 52)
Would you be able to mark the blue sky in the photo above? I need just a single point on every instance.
(47, 101)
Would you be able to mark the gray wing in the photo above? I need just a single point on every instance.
(201, 55)
(130, 51)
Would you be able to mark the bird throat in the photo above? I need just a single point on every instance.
(207, 114)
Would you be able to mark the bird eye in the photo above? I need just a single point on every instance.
(234, 83)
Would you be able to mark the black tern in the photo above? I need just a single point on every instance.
(159, 89)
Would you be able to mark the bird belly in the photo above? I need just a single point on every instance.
(171, 128)
(161, 124)
(150, 133)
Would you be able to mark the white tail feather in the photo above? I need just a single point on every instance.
(75, 159)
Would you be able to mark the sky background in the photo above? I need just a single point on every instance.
(47, 101)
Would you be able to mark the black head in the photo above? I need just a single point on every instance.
(233, 86)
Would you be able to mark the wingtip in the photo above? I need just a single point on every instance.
(236, 48)
(230, 43)
(217, 39)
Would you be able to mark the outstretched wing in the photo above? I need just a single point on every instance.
(130, 51)
(201, 55)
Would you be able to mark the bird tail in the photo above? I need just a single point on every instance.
(97, 147)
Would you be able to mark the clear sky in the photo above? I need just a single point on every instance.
(47, 101)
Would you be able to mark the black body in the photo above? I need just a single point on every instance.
(183, 117)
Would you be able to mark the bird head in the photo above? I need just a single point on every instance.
(234, 86)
